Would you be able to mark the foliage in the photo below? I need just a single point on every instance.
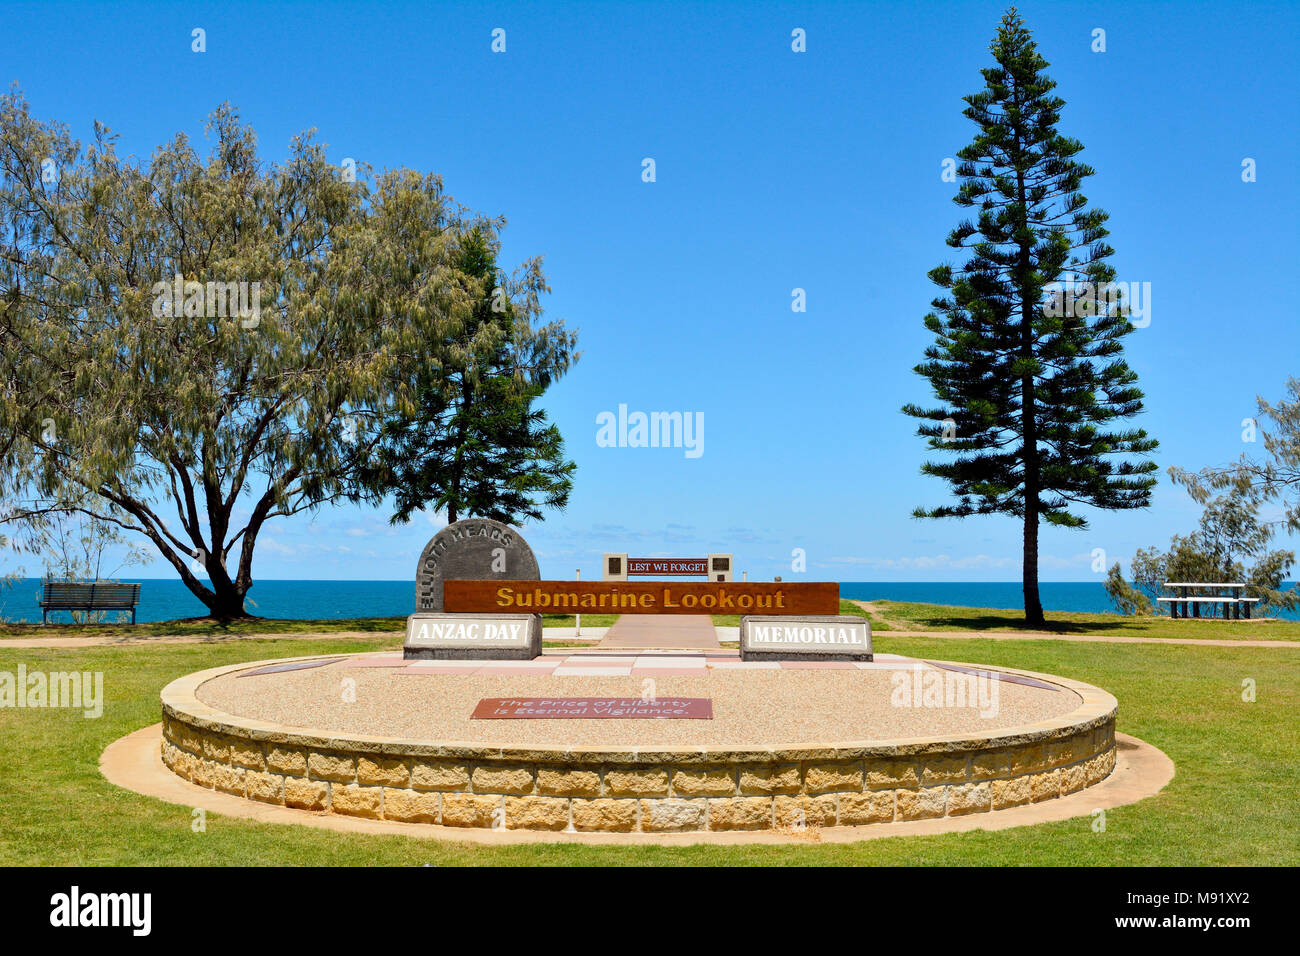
(192, 421)
(1230, 544)
(1030, 391)
(1127, 598)
(475, 444)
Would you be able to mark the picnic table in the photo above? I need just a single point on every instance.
(1227, 595)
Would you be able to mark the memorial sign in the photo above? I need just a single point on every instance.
(442, 637)
(666, 567)
(823, 638)
(619, 567)
(477, 548)
(640, 597)
(593, 708)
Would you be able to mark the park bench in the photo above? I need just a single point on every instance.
(100, 596)
(1233, 602)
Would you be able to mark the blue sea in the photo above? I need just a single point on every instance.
(166, 600)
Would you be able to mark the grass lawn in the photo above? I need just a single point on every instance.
(206, 628)
(909, 616)
(1231, 802)
(846, 607)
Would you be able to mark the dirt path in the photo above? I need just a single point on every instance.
(870, 608)
(913, 630)
(644, 633)
(1084, 638)
(184, 639)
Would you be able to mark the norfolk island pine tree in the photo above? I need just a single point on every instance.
(1030, 384)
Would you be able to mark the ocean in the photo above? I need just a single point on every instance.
(166, 600)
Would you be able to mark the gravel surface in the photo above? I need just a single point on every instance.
(770, 707)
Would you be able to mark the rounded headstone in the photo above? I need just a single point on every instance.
(476, 549)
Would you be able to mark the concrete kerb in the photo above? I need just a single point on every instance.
(134, 762)
(651, 788)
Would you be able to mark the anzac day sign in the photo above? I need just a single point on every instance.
(622, 597)
(442, 637)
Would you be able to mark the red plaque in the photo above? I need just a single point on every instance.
(593, 708)
(667, 566)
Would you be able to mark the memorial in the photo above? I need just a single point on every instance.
(443, 637)
(831, 638)
(474, 724)
(476, 548)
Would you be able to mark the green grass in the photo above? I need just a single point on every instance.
(1231, 801)
(846, 607)
(202, 627)
(588, 620)
(910, 616)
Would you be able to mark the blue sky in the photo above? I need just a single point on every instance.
(775, 170)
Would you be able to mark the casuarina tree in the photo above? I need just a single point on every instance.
(193, 346)
(1027, 362)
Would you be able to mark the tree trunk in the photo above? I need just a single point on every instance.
(226, 602)
(1029, 574)
(1028, 421)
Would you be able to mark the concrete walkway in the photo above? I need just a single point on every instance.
(662, 630)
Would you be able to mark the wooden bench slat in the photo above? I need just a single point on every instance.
(1210, 600)
(89, 596)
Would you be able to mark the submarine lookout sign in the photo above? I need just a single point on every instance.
(622, 597)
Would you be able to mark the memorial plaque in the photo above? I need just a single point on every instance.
(476, 548)
(641, 597)
(593, 708)
(821, 638)
(435, 636)
(666, 567)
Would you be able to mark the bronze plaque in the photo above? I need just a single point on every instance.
(593, 708)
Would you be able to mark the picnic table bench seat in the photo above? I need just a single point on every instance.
(1233, 604)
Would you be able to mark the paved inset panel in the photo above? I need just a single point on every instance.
(662, 630)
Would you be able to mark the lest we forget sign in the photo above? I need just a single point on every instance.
(479, 596)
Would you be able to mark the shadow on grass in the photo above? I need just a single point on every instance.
(1012, 622)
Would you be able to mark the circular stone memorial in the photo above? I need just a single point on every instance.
(475, 548)
(637, 742)
(472, 726)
